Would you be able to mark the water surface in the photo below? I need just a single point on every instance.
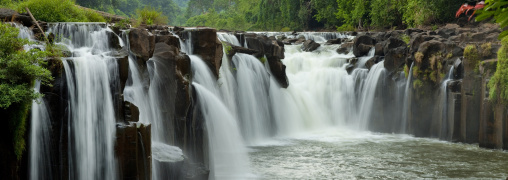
(347, 154)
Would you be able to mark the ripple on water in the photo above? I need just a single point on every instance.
(347, 154)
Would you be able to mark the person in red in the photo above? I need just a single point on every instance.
(466, 7)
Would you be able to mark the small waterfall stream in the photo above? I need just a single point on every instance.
(92, 118)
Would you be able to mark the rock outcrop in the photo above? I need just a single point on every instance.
(273, 50)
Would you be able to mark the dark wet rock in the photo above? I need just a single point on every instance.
(9, 15)
(395, 51)
(362, 45)
(231, 50)
(133, 149)
(310, 46)
(410, 31)
(379, 49)
(114, 40)
(142, 43)
(274, 52)
(333, 41)
(289, 41)
(168, 39)
(458, 69)
(345, 48)
(206, 45)
(372, 61)
(177, 29)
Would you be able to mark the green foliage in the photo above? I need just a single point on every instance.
(262, 59)
(149, 16)
(58, 11)
(472, 56)
(227, 48)
(417, 84)
(498, 83)
(18, 71)
(387, 13)
(406, 38)
(495, 9)
(486, 49)
(123, 24)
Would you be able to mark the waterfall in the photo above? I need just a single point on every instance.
(228, 157)
(407, 100)
(369, 94)
(226, 37)
(40, 140)
(92, 118)
(446, 121)
(253, 98)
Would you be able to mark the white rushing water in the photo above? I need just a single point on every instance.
(92, 118)
(40, 140)
(445, 115)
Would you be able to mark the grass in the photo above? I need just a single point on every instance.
(57, 11)
(150, 16)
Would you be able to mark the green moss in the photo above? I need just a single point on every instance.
(486, 49)
(498, 84)
(262, 59)
(17, 116)
(416, 71)
(472, 57)
(58, 11)
(406, 38)
(227, 48)
(449, 56)
(417, 84)
(419, 57)
(406, 71)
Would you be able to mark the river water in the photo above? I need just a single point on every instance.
(347, 154)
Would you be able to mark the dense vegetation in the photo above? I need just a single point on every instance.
(54, 10)
(18, 71)
(278, 15)
(498, 84)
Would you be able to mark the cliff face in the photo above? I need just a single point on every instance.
(468, 56)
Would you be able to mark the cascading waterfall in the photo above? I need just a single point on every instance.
(228, 156)
(40, 141)
(92, 118)
(407, 100)
(253, 98)
(446, 117)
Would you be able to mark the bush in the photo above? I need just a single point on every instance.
(150, 16)
(498, 84)
(18, 72)
(58, 11)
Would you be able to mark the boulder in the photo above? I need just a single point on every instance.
(310, 46)
(345, 48)
(379, 49)
(133, 149)
(372, 61)
(289, 41)
(362, 45)
(333, 41)
(274, 52)
(142, 43)
(395, 51)
(8, 15)
(169, 40)
(207, 45)
(231, 50)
